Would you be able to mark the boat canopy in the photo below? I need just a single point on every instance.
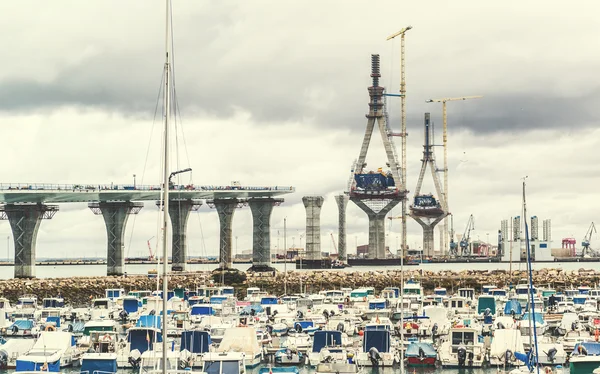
(378, 339)
(195, 341)
(218, 300)
(202, 310)
(486, 302)
(148, 321)
(373, 305)
(54, 320)
(23, 324)
(269, 300)
(359, 293)
(24, 365)
(414, 348)
(326, 339)
(579, 300)
(511, 306)
(131, 305)
(107, 364)
(538, 317)
(143, 339)
(592, 348)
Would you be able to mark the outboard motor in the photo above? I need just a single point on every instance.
(299, 314)
(298, 328)
(507, 357)
(461, 353)
(487, 316)
(152, 312)
(123, 315)
(70, 328)
(270, 329)
(340, 327)
(551, 354)
(374, 356)
(422, 354)
(288, 352)
(326, 314)
(434, 329)
(135, 358)
(471, 358)
(3, 360)
(252, 312)
(14, 329)
(500, 326)
(574, 325)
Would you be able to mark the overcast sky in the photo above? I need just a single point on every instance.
(275, 93)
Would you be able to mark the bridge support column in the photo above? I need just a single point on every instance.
(25, 222)
(225, 209)
(179, 212)
(313, 206)
(261, 232)
(342, 202)
(376, 211)
(115, 214)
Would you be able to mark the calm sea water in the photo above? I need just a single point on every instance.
(66, 271)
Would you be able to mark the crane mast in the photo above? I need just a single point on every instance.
(444, 248)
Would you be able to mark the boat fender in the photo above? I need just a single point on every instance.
(15, 329)
(44, 367)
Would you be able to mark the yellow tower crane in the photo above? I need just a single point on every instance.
(444, 236)
(403, 133)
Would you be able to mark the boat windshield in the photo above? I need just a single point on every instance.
(221, 367)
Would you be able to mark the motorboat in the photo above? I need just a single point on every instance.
(376, 349)
(462, 349)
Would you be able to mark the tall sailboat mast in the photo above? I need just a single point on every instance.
(167, 113)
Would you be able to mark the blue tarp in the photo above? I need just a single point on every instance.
(380, 339)
(55, 320)
(98, 365)
(149, 321)
(268, 301)
(513, 305)
(413, 349)
(201, 310)
(525, 358)
(142, 339)
(22, 365)
(326, 339)
(23, 324)
(373, 181)
(130, 305)
(195, 341)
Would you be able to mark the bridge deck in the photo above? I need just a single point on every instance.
(52, 193)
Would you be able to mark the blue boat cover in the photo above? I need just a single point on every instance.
(202, 310)
(217, 299)
(142, 339)
(376, 305)
(23, 324)
(148, 321)
(55, 320)
(537, 317)
(22, 365)
(304, 324)
(413, 349)
(195, 341)
(98, 365)
(380, 339)
(593, 348)
(280, 369)
(268, 301)
(525, 358)
(130, 305)
(326, 339)
(513, 305)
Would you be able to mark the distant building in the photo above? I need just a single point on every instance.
(362, 251)
(244, 255)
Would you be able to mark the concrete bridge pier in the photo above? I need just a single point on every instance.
(25, 222)
(313, 206)
(115, 214)
(261, 232)
(179, 212)
(225, 209)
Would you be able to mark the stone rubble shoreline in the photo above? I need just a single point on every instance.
(79, 291)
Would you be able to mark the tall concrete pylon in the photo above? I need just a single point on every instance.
(24, 220)
(115, 214)
(261, 232)
(313, 206)
(375, 193)
(342, 203)
(426, 210)
(225, 209)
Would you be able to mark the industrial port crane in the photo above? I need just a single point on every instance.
(445, 144)
(151, 257)
(587, 249)
(464, 242)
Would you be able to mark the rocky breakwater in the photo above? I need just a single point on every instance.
(317, 280)
(78, 291)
